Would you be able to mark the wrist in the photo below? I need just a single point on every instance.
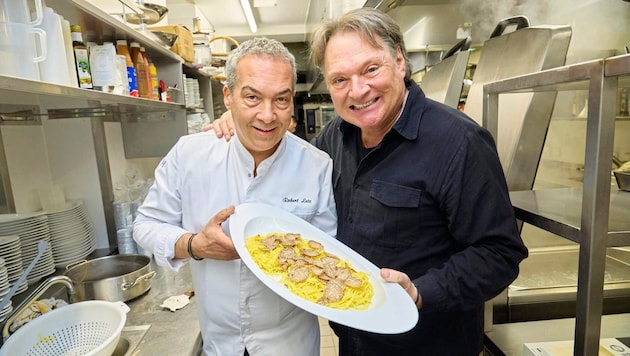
(189, 248)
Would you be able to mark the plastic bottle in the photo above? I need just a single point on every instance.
(623, 110)
(123, 50)
(81, 58)
(143, 77)
(155, 82)
(54, 68)
(155, 95)
(67, 42)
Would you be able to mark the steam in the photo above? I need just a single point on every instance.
(485, 15)
(597, 25)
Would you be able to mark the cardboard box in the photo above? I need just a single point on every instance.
(184, 45)
(607, 347)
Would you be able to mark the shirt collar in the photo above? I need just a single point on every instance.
(247, 159)
(409, 121)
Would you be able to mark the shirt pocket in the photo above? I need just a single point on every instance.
(394, 195)
(394, 221)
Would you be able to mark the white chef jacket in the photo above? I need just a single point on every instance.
(203, 174)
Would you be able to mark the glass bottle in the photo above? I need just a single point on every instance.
(81, 58)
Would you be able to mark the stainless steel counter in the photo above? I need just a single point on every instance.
(151, 329)
(508, 339)
(169, 333)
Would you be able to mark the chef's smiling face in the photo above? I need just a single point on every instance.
(261, 103)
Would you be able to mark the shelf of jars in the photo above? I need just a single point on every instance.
(595, 216)
(72, 102)
(99, 26)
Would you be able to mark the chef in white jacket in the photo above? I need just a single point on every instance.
(184, 216)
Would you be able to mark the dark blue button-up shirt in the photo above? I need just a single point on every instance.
(430, 200)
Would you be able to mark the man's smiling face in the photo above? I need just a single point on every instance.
(261, 103)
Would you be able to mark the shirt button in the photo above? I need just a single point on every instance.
(350, 219)
(249, 175)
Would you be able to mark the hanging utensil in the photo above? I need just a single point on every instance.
(41, 246)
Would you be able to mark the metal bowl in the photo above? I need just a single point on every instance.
(161, 10)
(623, 180)
(151, 13)
(168, 39)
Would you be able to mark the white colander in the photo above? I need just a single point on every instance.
(84, 328)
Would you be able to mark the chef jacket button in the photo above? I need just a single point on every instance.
(249, 175)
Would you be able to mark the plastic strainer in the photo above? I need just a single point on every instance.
(84, 328)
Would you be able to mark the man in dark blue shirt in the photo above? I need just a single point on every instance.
(419, 190)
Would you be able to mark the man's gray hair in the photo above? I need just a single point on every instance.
(259, 46)
(371, 24)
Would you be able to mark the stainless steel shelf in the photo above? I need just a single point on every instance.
(78, 103)
(560, 211)
(11, 88)
(594, 216)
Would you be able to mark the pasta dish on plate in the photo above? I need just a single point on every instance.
(308, 271)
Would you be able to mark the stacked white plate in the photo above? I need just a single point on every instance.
(11, 253)
(31, 228)
(4, 289)
(71, 234)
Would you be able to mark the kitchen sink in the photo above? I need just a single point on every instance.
(547, 284)
(122, 347)
(130, 338)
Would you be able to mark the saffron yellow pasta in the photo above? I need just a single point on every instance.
(312, 287)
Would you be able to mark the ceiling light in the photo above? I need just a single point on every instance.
(249, 15)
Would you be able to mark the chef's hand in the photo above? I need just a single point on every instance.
(391, 275)
(211, 242)
(223, 126)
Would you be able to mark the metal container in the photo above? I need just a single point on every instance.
(546, 287)
(111, 278)
(623, 180)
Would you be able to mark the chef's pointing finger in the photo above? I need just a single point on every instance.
(223, 215)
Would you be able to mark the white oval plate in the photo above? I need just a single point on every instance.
(391, 312)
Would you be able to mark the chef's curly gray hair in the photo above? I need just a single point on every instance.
(259, 46)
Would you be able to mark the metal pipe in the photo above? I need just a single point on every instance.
(38, 292)
(132, 6)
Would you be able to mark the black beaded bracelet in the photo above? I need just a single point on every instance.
(190, 248)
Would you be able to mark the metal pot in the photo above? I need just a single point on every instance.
(111, 278)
